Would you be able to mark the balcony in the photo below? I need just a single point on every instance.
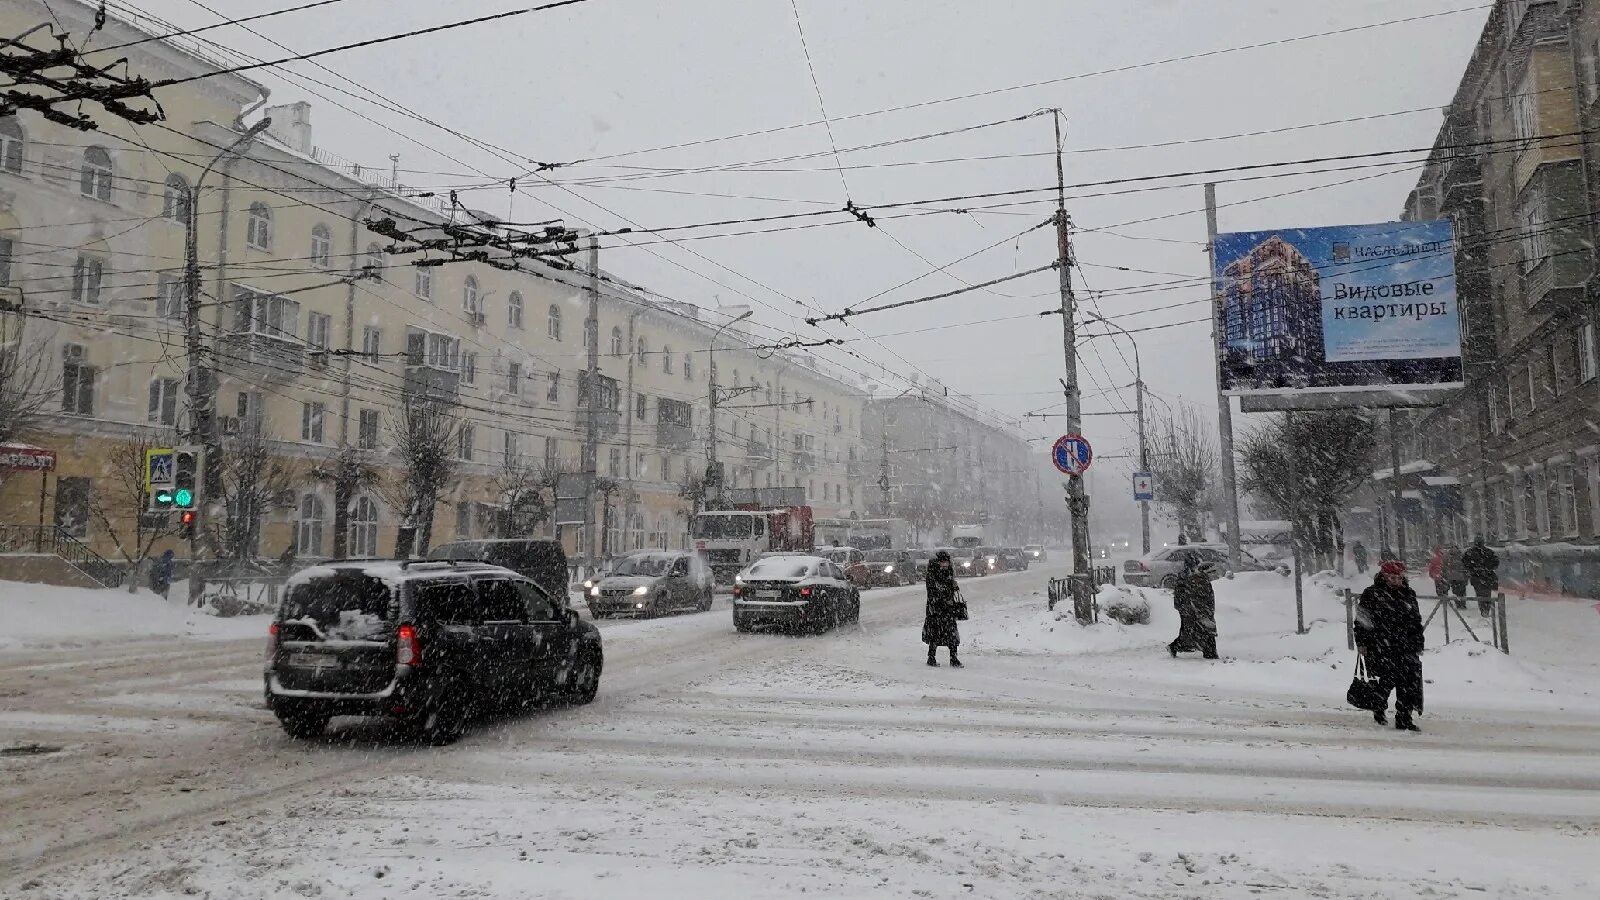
(805, 460)
(261, 356)
(758, 450)
(431, 382)
(606, 421)
(673, 436)
(1461, 179)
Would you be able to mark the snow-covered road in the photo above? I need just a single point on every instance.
(1060, 762)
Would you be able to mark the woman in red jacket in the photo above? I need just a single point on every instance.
(1441, 587)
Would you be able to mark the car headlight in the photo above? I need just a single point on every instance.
(888, 570)
(966, 564)
(588, 583)
(738, 579)
(641, 590)
(594, 591)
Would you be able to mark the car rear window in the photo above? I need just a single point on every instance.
(351, 606)
(648, 565)
(882, 556)
(780, 568)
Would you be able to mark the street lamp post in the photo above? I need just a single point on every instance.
(1144, 451)
(711, 421)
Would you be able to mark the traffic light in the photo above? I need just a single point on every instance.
(186, 524)
(186, 479)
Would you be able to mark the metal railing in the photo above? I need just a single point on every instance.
(54, 539)
(1492, 608)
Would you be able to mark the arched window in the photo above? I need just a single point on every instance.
(373, 267)
(553, 323)
(616, 342)
(175, 199)
(308, 530)
(469, 296)
(364, 527)
(514, 309)
(258, 234)
(666, 358)
(643, 351)
(12, 143)
(94, 179)
(321, 246)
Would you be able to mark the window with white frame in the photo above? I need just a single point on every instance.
(514, 378)
(372, 342)
(1586, 352)
(1492, 400)
(364, 528)
(258, 228)
(616, 342)
(308, 528)
(688, 366)
(171, 298)
(94, 178)
(553, 322)
(247, 406)
(175, 199)
(466, 438)
(7, 251)
(372, 267)
(514, 309)
(424, 285)
(163, 402)
(666, 358)
(1539, 482)
(321, 246)
(367, 430)
(552, 452)
(319, 331)
(1567, 500)
(512, 449)
(88, 272)
(265, 315)
(553, 394)
(1533, 229)
(469, 368)
(1592, 471)
(311, 416)
(433, 349)
(13, 142)
(1525, 107)
(469, 297)
(642, 351)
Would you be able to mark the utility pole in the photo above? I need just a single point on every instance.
(883, 467)
(1077, 500)
(1399, 496)
(591, 404)
(199, 387)
(1144, 450)
(713, 471)
(1230, 483)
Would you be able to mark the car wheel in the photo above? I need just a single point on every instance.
(583, 682)
(707, 600)
(443, 720)
(1169, 582)
(302, 722)
(740, 627)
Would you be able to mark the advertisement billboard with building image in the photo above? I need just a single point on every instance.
(1341, 309)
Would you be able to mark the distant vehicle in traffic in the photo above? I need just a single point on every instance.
(653, 582)
(1011, 559)
(967, 562)
(919, 561)
(1161, 568)
(794, 592)
(889, 568)
(428, 643)
(853, 562)
(1036, 552)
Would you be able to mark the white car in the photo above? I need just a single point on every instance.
(1161, 568)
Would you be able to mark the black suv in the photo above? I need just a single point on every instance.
(542, 562)
(428, 643)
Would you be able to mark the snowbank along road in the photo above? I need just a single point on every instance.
(1060, 762)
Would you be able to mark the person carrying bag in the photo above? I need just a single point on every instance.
(945, 608)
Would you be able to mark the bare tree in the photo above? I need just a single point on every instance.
(522, 490)
(424, 436)
(253, 480)
(351, 472)
(1305, 466)
(1185, 462)
(27, 379)
(122, 502)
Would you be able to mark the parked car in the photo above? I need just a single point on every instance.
(1012, 559)
(429, 643)
(805, 593)
(967, 562)
(652, 582)
(919, 557)
(852, 561)
(542, 562)
(1036, 553)
(1160, 568)
(889, 568)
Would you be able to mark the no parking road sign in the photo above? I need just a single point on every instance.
(1072, 454)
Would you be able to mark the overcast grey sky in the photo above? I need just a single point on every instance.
(611, 76)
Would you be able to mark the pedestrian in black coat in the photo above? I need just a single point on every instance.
(1388, 632)
(1358, 552)
(1483, 570)
(939, 628)
(1197, 609)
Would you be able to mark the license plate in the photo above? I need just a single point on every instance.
(313, 661)
(768, 595)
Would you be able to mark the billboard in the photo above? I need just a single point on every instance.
(1343, 308)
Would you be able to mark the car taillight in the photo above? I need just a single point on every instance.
(272, 641)
(805, 592)
(1143, 567)
(738, 591)
(408, 652)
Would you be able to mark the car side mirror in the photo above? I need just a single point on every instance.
(573, 618)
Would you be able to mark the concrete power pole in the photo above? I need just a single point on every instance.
(714, 471)
(591, 405)
(1230, 484)
(1077, 499)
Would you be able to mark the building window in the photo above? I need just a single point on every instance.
(553, 394)
(512, 451)
(553, 323)
(94, 179)
(641, 404)
(1525, 106)
(641, 351)
(614, 457)
(551, 453)
(1567, 499)
(12, 142)
(170, 297)
(1586, 352)
(319, 328)
(514, 309)
(311, 416)
(248, 408)
(469, 297)
(367, 430)
(1496, 426)
(465, 439)
(321, 246)
(514, 378)
(425, 282)
(175, 199)
(87, 274)
(163, 402)
(308, 531)
(688, 366)
(372, 343)
(373, 267)
(616, 342)
(469, 368)
(258, 233)
(364, 528)
(1534, 234)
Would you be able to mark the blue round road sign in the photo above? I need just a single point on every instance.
(1072, 454)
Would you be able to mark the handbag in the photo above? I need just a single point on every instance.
(959, 606)
(1364, 692)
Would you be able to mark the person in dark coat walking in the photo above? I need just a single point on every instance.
(161, 574)
(1455, 574)
(939, 628)
(1197, 609)
(1388, 632)
(1358, 552)
(1482, 567)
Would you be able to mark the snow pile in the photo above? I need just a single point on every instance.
(1124, 605)
(44, 616)
(1023, 626)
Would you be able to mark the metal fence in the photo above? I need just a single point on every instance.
(54, 539)
(1492, 608)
